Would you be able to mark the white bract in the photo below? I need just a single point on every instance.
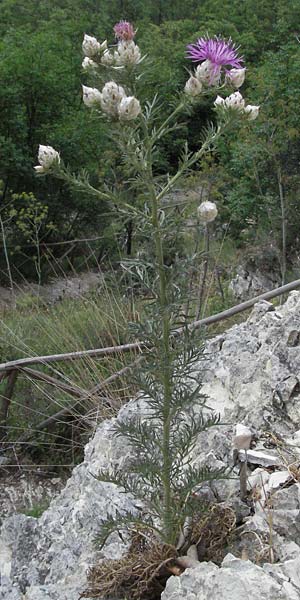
(90, 46)
(111, 96)
(206, 73)
(128, 53)
(252, 111)
(91, 96)
(193, 86)
(107, 58)
(207, 211)
(235, 101)
(243, 437)
(88, 63)
(219, 101)
(47, 157)
(236, 77)
(129, 108)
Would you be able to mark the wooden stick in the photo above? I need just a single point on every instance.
(225, 314)
(138, 346)
(47, 359)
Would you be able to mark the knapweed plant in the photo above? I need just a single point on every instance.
(161, 473)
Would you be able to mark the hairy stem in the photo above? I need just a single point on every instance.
(168, 529)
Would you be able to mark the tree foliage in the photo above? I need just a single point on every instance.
(40, 100)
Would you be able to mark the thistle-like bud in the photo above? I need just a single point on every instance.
(208, 73)
(90, 46)
(88, 63)
(207, 212)
(193, 86)
(107, 58)
(124, 30)
(128, 53)
(219, 101)
(91, 96)
(236, 77)
(129, 108)
(111, 96)
(235, 101)
(48, 158)
(252, 111)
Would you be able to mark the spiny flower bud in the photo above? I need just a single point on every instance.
(88, 63)
(124, 31)
(129, 108)
(208, 73)
(193, 86)
(90, 46)
(219, 101)
(207, 211)
(252, 111)
(235, 101)
(91, 96)
(47, 157)
(236, 77)
(128, 53)
(111, 96)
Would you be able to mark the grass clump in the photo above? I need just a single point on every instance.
(35, 328)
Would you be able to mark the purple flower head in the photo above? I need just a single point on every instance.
(124, 31)
(218, 51)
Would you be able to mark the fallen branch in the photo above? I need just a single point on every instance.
(138, 346)
(52, 358)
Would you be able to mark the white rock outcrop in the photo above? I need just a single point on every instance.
(251, 376)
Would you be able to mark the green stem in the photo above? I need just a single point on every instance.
(166, 362)
(190, 162)
(168, 529)
(170, 118)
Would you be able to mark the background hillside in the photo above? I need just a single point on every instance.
(41, 102)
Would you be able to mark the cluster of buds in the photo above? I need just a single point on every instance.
(236, 102)
(48, 159)
(127, 52)
(95, 53)
(112, 101)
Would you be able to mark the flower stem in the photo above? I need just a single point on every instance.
(165, 358)
(166, 373)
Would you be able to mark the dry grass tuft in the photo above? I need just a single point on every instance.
(142, 574)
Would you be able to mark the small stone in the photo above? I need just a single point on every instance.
(278, 479)
(256, 457)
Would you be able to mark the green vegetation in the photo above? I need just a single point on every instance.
(40, 102)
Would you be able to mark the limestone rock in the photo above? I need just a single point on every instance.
(47, 558)
(234, 580)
